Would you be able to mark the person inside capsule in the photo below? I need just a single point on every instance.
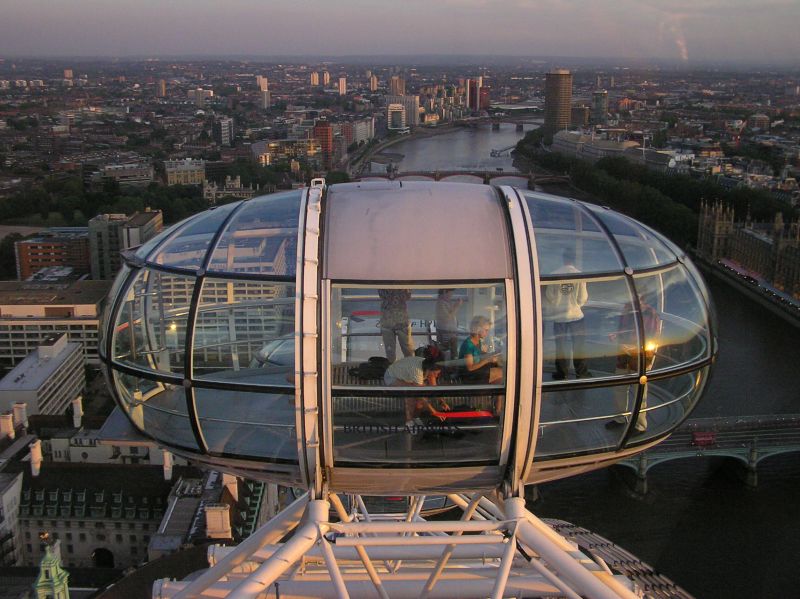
(480, 366)
(417, 371)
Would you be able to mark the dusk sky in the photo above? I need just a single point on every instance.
(701, 30)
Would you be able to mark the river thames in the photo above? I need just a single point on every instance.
(698, 524)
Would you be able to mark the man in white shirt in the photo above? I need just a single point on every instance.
(565, 302)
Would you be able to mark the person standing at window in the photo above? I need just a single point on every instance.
(565, 301)
(395, 325)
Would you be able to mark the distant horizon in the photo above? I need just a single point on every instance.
(422, 59)
(761, 32)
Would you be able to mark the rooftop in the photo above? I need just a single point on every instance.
(35, 369)
(22, 293)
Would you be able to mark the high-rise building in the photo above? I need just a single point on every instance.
(326, 78)
(342, 86)
(162, 88)
(557, 100)
(397, 86)
(411, 104)
(67, 73)
(323, 132)
(373, 83)
(63, 246)
(223, 131)
(262, 83)
(396, 117)
(266, 99)
(200, 95)
(47, 380)
(314, 78)
(109, 234)
(600, 107)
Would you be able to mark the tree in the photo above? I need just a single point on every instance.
(336, 177)
(8, 258)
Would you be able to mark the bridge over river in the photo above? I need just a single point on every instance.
(496, 177)
(747, 439)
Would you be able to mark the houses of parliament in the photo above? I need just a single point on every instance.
(770, 249)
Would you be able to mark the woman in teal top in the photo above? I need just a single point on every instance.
(479, 368)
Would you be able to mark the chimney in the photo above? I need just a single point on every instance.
(230, 482)
(7, 426)
(167, 464)
(20, 414)
(36, 457)
(218, 521)
(77, 411)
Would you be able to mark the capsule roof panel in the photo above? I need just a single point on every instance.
(411, 231)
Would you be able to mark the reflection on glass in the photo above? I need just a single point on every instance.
(561, 225)
(447, 430)
(188, 248)
(109, 306)
(157, 408)
(260, 425)
(463, 329)
(581, 324)
(667, 402)
(683, 334)
(573, 421)
(261, 238)
(150, 329)
(244, 332)
(640, 246)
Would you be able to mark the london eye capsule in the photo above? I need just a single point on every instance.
(408, 337)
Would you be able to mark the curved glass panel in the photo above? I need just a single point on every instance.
(563, 227)
(676, 320)
(582, 328)
(109, 306)
(640, 246)
(150, 328)
(188, 248)
(465, 325)
(416, 430)
(156, 408)
(259, 425)
(144, 250)
(244, 332)
(581, 420)
(261, 238)
(666, 402)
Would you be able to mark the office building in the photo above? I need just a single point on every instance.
(47, 380)
(104, 515)
(200, 96)
(579, 116)
(342, 86)
(600, 107)
(67, 73)
(314, 79)
(32, 311)
(109, 234)
(273, 151)
(55, 247)
(411, 104)
(397, 86)
(185, 172)
(323, 133)
(223, 131)
(557, 100)
(266, 99)
(133, 174)
(262, 83)
(396, 117)
(10, 536)
(162, 88)
(326, 78)
(373, 83)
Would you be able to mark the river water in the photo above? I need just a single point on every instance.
(698, 524)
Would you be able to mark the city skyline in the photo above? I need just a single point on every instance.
(689, 32)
